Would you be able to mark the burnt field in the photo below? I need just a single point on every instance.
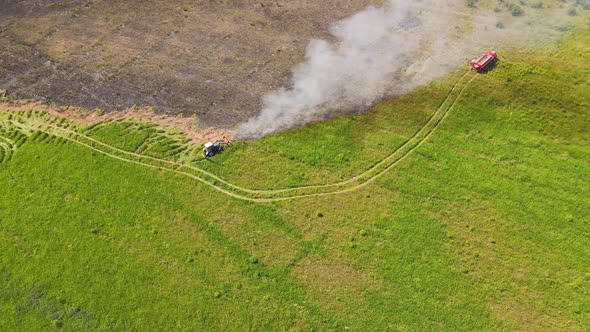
(214, 59)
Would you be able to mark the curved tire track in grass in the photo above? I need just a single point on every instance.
(8, 149)
(239, 192)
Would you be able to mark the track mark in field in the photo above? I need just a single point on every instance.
(7, 149)
(32, 124)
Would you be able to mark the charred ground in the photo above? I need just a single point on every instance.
(214, 59)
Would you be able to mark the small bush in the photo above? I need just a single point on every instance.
(538, 5)
(500, 25)
(472, 3)
(515, 10)
(572, 12)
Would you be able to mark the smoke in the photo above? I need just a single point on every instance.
(381, 51)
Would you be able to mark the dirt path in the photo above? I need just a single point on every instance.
(210, 179)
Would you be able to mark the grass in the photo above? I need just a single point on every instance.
(483, 227)
(327, 152)
(142, 138)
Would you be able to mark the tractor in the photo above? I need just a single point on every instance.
(212, 148)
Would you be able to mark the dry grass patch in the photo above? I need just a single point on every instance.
(270, 246)
(334, 285)
(525, 318)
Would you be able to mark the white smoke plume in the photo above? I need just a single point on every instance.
(382, 51)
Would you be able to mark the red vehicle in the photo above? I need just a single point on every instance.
(483, 61)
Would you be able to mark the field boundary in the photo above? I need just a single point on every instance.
(35, 124)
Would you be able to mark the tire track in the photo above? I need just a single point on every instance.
(233, 190)
(9, 149)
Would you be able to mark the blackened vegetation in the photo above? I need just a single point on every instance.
(211, 58)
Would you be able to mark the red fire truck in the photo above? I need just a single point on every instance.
(483, 61)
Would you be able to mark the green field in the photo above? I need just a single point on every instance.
(463, 205)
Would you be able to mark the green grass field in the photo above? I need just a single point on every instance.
(484, 224)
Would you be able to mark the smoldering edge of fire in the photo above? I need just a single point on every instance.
(385, 51)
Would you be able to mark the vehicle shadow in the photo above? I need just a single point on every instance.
(490, 67)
